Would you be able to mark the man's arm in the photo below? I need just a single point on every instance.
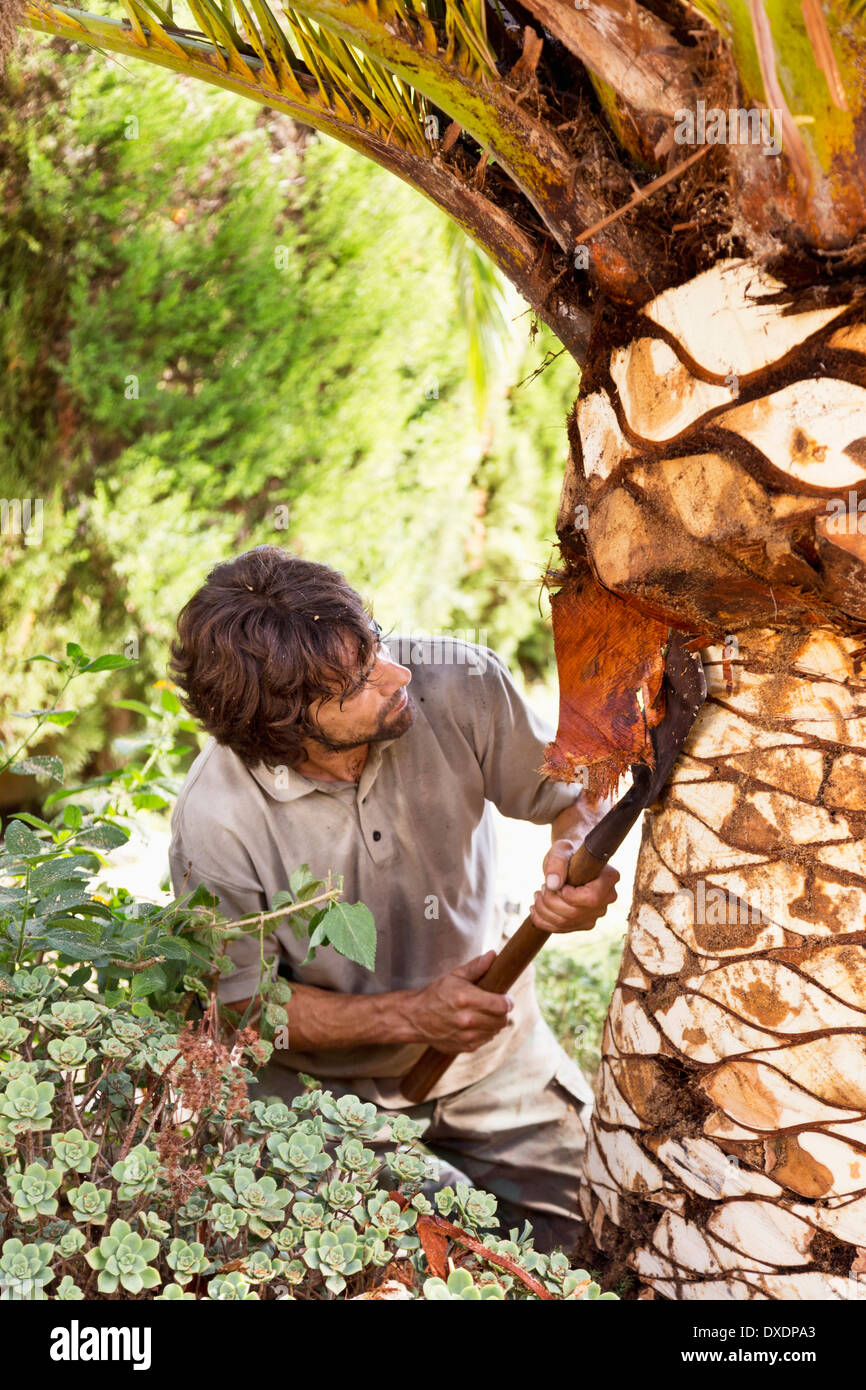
(451, 1013)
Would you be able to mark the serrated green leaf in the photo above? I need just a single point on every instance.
(43, 765)
(104, 835)
(299, 879)
(170, 702)
(139, 708)
(21, 841)
(110, 661)
(172, 948)
(61, 717)
(148, 801)
(76, 946)
(34, 820)
(63, 867)
(153, 980)
(351, 930)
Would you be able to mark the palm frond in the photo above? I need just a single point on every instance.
(379, 65)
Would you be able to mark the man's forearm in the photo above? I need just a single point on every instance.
(321, 1018)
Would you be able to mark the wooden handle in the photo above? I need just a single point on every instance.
(517, 953)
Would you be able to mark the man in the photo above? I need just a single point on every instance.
(321, 755)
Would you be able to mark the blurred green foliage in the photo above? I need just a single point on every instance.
(575, 983)
(218, 330)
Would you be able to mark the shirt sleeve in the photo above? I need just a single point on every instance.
(235, 900)
(513, 739)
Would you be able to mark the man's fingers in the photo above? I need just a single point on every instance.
(556, 863)
(483, 1002)
(475, 968)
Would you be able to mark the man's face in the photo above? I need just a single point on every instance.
(381, 709)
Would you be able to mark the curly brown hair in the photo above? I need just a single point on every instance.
(260, 641)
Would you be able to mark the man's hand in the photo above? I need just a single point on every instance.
(560, 908)
(453, 1014)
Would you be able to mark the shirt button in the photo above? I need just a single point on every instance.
(377, 834)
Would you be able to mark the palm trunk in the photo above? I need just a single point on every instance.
(728, 1147)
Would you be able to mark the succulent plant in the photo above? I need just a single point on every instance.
(153, 1225)
(258, 1267)
(186, 1259)
(287, 1238)
(25, 1269)
(412, 1169)
(404, 1130)
(70, 1051)
(127, 1030)
(342, 1196)
(356, 1159)
(73, 1150)
(359, 1117)
(309, 1215)
(71, 1242)
(337, 1254)
(261, 1199)
(33, 1190)
(31, 984)
(194, 1208)
(121, 1258)
(26, 1105)
(460, 1285)
(68, 1290)
(89, 1203)
(231, 1286)
(477, 1208)
(293, 1271)
(265, 1118)
(389, 1222)
(227, 1220)
(18, 1069)
(172, 1293)
(74, 1016)
(137, 1173)
(300, 1155)
(11, 1031)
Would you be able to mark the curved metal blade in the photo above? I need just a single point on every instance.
(685, 690)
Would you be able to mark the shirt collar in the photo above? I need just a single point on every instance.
(286, 784)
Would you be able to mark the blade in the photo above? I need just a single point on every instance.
(685, 690)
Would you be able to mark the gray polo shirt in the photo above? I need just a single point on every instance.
(414, 840)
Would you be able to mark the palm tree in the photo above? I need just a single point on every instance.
(679, 191)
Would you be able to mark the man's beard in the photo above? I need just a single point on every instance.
(391, 724)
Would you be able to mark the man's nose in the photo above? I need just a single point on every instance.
(395, 674)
